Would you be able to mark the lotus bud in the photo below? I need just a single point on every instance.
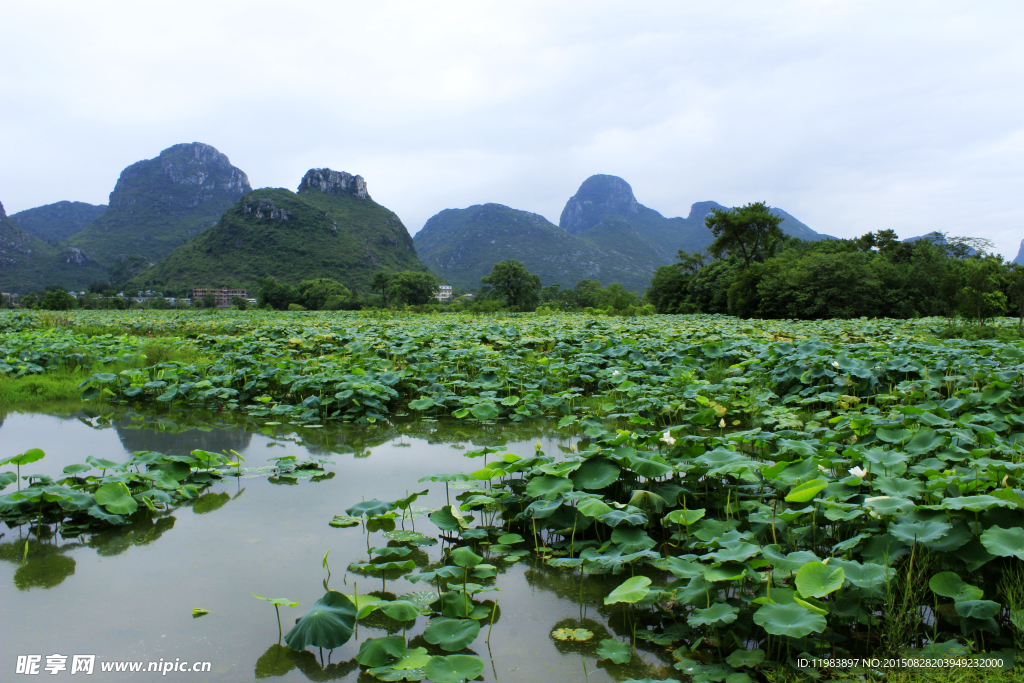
(722, 423)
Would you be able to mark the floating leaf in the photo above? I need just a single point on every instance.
(452, 634)
(614, 650)
(573, 634)
(454, 668)
(789, 620)
(198, 612)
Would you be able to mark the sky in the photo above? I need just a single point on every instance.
(850, 115)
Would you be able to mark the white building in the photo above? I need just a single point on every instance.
(444, 292)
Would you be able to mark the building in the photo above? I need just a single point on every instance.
(223, 295)
(444, 292)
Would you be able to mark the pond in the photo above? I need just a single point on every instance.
(127, 593)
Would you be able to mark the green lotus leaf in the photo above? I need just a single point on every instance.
(816, 579)
(977, 503)
(116, 498)
(412, 659)
(789, 620)
(684, 517)
(806, 491)
(369, 508)
(29, 456)
(816, 606)
(391, 673)
(464, 557)
(400, 610)
(791, 562)
(893, 435)
(380, 651)
(595, 473)
(747, 658)
(977, 609)
(453, 668)
(547, 486)
(865, 575)
(344, 521)
(329, 623)
(739, 552)
(922, 532)
(727, 571)
(630, 591)
(950, 585)
(617, 517)
(572, 634)
(631, 539)
(452, 635)
(718, 613)
(450, 518)
(593, 508)
(484, 411)
(509, 539)
(1004, 542)
(614, 650)
(421, 403)
(277, 601)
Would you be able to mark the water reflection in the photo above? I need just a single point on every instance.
(45, 565)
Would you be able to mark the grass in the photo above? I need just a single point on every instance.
(59, 386)
(979, 332)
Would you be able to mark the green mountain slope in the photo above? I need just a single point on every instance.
(461, 246)
(159, 203)
(604, 234)
(331, 228)
(58, 221)
(27, 263)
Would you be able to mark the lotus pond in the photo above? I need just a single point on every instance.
(522, 498)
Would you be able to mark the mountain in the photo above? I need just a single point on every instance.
(27, 263)
(157, 204)
(603, 233)
(461, 246)
(1020, 255)
(330, 228)
(58, 221)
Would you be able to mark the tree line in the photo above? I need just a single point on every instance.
(753, 270)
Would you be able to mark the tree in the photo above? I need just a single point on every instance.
(1015, 292)
(512, 283)
(413, 287)
(239, 303)
(316, 293)
(277, 294)
(588, 294)
(747, 231)
(381, 280)
(209, 300)
(668, 290)
(57, 300)
(981, 296)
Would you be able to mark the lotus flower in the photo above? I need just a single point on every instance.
(857, 472)
(667, 438)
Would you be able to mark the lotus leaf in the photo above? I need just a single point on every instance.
(920, 532)
(949, 585)
(573, 634)
(328, 624)
(630, 591)
(592, 507)
(400, 610)
(453, 668)
(116, 498)
(452, 635)
(684, 517)
(375, 652)
(718, 613)
(369, 508)
(595, 473)
(789, 620)
(343, 521)
(1004, 542)
(805, 492)
(547, 486)
(977, 609)
(614, 650)
(747, 658)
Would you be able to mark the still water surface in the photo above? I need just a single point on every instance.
(128, 593)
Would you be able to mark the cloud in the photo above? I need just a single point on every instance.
(853, 116)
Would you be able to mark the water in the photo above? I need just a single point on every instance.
(128, 593)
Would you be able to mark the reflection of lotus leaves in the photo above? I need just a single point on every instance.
(307, 663)
(44, 572)
(276, 661)
(208, 502)
(142, 530)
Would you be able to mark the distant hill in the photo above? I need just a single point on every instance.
(27, 263)
(604, 233)
(158, 204)
(461, 246)
(1020, 255)
(58, 221)
(330, 228)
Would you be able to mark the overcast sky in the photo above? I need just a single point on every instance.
(852, 116)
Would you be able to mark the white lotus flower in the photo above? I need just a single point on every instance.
(871, 500)
(857, 472)
(722, 423)
(667, 438)
(616, 372)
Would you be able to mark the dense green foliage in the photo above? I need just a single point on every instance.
(755, 490)
(512, 284)
(290, 237)
(844, 279)
(58, 221)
